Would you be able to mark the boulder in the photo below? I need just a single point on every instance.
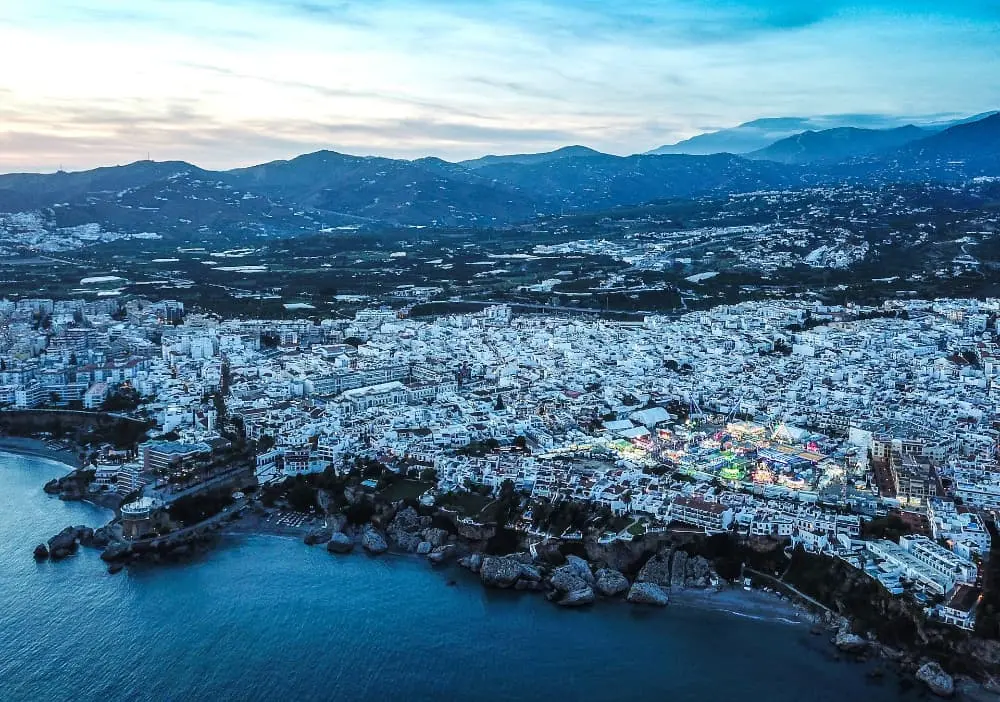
(577, 598)
(406, 519)
(565, 579)
(850, 642)
(647, 594)
(570, 589)
(581, 568)
(115, 567)
(373, 541)
(404, 529)
(437, 537)
(500, 571)
(404, 540)
(657, 569)
(698, 572)
(424, 548)
(339, 543)
(317, 536)
(41, 552)
(474, 562)
(678, 570)
(610, 583)
(441, 553)
(936, 680)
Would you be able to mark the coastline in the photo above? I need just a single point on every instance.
(731, 600)
(26, 446)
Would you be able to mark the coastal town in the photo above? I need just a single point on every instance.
(788, 421)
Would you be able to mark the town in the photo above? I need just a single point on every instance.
(817, 425)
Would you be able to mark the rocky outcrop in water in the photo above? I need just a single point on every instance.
(473, 562)
(101, 537)
(373, 541)
(317, 536)
(41, 552)
(610, 583)
(66, 542)
(647, 594)
(339, 543)
(580, 568)
(570, 586)
(405, 529)
(436, 537)
(849, 642)
(936, 680)
(441, 554)
(70, 487)
(116, 551)
(500, 571)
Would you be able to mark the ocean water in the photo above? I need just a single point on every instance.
(267, 618)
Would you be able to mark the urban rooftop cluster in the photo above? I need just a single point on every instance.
(781, 420)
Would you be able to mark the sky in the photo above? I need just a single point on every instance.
(226, 83)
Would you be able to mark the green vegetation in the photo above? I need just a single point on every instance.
(198, 507)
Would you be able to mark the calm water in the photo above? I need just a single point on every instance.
(265, 618)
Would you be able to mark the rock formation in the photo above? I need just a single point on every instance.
(648, 594)
(373, 541)
(339, 543)
(500, 571)
(610, 583)
(936, 680)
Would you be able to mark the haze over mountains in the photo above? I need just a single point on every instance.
(328, 189)
(762, 133)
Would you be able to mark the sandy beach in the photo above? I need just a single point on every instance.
(51, 449)
(752, 604)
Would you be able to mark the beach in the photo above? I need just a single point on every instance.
(52, 449)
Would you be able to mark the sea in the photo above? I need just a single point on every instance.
(268, 618)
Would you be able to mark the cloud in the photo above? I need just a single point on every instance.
(228, 82)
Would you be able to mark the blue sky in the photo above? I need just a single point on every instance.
(230, 82)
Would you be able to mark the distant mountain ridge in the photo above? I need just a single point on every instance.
(838, 144)
(762, 133)
(328, 189)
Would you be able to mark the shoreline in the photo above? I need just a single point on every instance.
(39, 448)
(731, 600)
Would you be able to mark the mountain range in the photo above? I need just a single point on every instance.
(328, 189)
(762, 133)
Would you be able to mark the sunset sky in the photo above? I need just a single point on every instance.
(223, 83)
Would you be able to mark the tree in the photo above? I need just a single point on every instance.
(301, 496)
(429, 474)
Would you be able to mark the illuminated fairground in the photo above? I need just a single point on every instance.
(744, 452)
